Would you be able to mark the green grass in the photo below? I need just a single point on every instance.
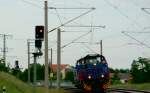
(13, 85)
(144, 86)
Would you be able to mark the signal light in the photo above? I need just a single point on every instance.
(89, 77)
(39, 36)
(38, 44)
(39, 32)
(17, 64)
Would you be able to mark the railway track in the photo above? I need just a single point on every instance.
(126, 91)
(110, 90)
(73, 90)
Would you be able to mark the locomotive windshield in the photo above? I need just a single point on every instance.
(93, 60)
(96, 59)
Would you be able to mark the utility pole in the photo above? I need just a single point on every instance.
(28, 44)
(34, 69)
(51, 66)
(58, 56)
(46, 44)
(4, 47)
(101, 47)
(28, 48)
(51, 58)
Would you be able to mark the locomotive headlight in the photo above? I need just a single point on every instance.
(89, 77)
(94, 64)
(102, 76)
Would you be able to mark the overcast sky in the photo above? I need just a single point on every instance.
(19, 17)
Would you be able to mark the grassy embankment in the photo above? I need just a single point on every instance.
(13, 85)
(145, 86)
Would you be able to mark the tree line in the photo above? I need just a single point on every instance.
(140, 71)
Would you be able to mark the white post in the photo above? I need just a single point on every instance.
(58, 56)
(46, 45)
(101, 47)
(4, 50)
(34, 69)
(28, 44)
(51, 62)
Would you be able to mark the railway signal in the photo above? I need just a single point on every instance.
(39, 36)
(39, 32)
(38, 44)
(17, 64)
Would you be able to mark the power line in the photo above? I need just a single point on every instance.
(146, 10)
(136, 39)
(89, 48)
(138, 32)
(58, 16)
(72, 19)
(143, 9)
(146, 38)
(74, 31)
(75, 39)
(92, 29)
(87, 42)
(81, 3)
(4, 46)
(91, 26)
(145, 28)
(123, 14)
(71, 8)
(33, 4)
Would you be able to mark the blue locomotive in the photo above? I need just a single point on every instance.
(92, 73)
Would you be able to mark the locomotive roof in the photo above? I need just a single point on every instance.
(89, 56)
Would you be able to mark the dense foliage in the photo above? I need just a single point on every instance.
(3, 67)
(70, 76)
(140, 70)
(23, 75)
(40, 73)
(115, 79)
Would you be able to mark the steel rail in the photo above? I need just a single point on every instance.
(73, 90)
(127, 90)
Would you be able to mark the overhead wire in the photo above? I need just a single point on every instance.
(91, 38)
(145, 10)
(133, 2)
(37, 0)
(89, 48)
(144, 32)
(58, 17)
(141, 50)
(74, 31)
(146, 38)
(76, 39)
(122, 13)
(138, 32)
(81, 3)
(69, 21)
(135, 22)
(136, 40)
(33, 4)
